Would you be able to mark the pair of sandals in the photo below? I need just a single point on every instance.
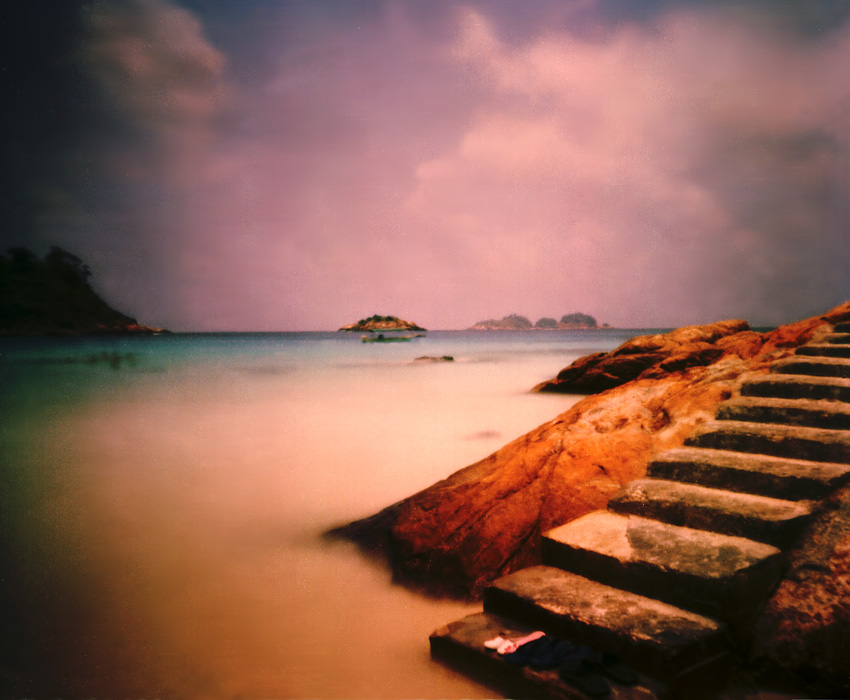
(581, 666)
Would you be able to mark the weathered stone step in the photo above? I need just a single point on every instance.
(825, 349)
(706, 572)
(837, 338)
(812, 366)
(791, 479)
(795, 442)
(759, 518)
(649, 634)
(781, 386)
(460, 644)
(842, 327)
(833, 415)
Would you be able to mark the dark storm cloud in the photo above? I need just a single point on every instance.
(44, 106)
(112, 104)
(808, 18)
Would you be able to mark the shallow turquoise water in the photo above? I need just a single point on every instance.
(163, 500)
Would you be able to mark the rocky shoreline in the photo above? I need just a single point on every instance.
(486, 520)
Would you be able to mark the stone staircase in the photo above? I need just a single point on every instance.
(672, 575)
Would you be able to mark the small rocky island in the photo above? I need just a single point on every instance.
(515, 322)
(376, 323)
(52, 296)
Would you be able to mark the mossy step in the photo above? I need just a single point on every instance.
(833, 415)
(650, 635)
(813, 366)
(771, 520)
(825, 349)
(706, 572)
(795, 442)
(460, 644)
(781, 386)
(778, 477)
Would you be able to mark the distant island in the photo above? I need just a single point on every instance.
(53, 297)
(515, 322)
(382, 323)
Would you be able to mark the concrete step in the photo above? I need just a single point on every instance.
(812, 366)
(652, 636)
(706, 572)
(837, 338)
(791, 479)
(781, 386)
(825, 349)
(794, 442)
(771, 520)
(460, 645)
(833, 415)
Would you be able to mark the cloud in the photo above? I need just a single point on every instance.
(675, 171)
(144, 101)
(660, 172)
(161, 75)
(291, 165)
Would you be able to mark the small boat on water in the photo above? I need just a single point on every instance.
(381, 338)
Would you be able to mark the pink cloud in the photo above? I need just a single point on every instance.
(615, 148)
(662, 173)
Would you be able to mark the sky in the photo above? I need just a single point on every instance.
(300, 164)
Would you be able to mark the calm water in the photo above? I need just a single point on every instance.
(163, 501)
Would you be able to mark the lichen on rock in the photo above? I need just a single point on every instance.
(802, 637)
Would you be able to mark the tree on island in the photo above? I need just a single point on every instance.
(382, 323)
(515, 322)
(53, 296)
(582, 320)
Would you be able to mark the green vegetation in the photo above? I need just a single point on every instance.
(582, 320)
(515, 322)
(53, 296)
(382, 323)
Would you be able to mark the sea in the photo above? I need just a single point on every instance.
(164, 500)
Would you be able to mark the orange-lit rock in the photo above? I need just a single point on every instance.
(485, 520)
(646, 356)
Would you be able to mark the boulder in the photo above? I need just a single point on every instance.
(650, 356)
(485, 520)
